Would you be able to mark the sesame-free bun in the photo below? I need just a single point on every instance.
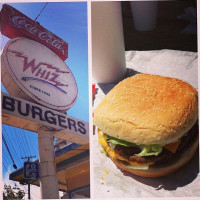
(148, 109)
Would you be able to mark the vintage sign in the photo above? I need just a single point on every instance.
(16, 24)
(31, 69)
(30, 116)
(31, 170)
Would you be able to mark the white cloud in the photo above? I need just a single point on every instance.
(35, 190)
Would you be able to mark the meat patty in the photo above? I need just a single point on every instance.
(165, 156)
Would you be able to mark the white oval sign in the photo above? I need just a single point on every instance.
(39, 73)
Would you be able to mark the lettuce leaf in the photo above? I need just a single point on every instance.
(150, 150)
(146, 150)
(120, 142)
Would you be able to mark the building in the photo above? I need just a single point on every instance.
(73, 170)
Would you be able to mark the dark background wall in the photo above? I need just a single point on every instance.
(168, 32)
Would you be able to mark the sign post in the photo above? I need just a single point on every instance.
(48, 178)
(31, 171)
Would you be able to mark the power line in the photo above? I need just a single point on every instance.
(14, 165)
(9, 141)
(41, 11)
(6, 159)
(19, 141)
(4, 166)
(26, 142)
(26, 148)
(5, 162)
(29, 139)
(20, 144)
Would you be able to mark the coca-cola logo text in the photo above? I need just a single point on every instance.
(46, 36)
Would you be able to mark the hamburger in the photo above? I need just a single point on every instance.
(147, 124)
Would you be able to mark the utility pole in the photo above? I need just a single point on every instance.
(48, 176)
(29, 186)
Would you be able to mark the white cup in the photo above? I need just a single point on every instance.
(108, 51)
(144, 14)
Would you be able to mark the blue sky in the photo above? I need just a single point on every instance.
(68, 20)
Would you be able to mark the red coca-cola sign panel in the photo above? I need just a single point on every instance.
(16, 24)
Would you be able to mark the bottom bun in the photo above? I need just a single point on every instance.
(158, 170)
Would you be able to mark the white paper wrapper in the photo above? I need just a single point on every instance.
(111, 182)
(176, 64)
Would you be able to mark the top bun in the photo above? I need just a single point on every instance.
(148, 109)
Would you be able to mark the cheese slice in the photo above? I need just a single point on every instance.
(173, 146)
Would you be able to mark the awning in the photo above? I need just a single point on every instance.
(73, 168)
